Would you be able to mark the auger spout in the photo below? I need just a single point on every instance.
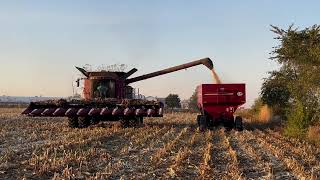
(205, 61)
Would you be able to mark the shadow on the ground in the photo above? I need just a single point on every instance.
(274, 125)
(172, 124)
(250, 126)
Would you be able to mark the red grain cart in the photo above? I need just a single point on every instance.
(218, 102)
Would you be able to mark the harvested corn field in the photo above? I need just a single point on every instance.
(168, 147)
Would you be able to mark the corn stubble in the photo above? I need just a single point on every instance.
(169, 147)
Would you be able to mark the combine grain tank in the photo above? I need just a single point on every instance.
(218, 102)
(108, 96)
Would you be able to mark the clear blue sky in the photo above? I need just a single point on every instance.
(41, 41)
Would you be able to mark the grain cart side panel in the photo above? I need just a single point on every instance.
(223, 94)
(199, 98)
(218, 102)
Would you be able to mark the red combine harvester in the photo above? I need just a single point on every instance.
(108, 96)
(218, 102)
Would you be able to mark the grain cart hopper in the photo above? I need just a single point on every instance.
(218, 102)
(107, 97)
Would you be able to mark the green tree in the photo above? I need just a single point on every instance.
(193, 101)
(295, 87)
(298, 122)
(256, 106)
(173, 101)
(275, 93)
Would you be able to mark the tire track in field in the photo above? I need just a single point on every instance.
(140, 160)
(32, 157)
(223, 163)
(277, 168)
(303, 148)
(21, 133)
(303, 151)
(132, 154)
(115, 147)
(189, 165)
(250, 163)
(104, 146)
(309, 152)
(162, 157)
(300, 163)
(233, 164)
(177, 168)
(218, 157)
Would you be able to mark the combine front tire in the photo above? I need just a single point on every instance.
(73, 122)
(136, 122)
(238, 125)
(124, 122)
(94, 120)
(84, 122)
(129, 122)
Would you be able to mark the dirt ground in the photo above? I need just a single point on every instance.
(171, 147)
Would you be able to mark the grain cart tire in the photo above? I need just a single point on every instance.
(198, 119)
(84, 122)
(238, 125)
(73, 122)
(203, 123)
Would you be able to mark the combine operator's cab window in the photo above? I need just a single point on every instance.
(104, 89)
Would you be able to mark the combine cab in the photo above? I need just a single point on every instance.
(108, 96)
(218, 102)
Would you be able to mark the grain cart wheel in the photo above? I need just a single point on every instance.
(198, 119)
(203, 122)
(84, 122)
(238, 123)
(73, 122)
(229, 124)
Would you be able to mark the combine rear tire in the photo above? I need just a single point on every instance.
(73, 122)
(136, 122)
(84, 122)
(238, 125)
(128, 122)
